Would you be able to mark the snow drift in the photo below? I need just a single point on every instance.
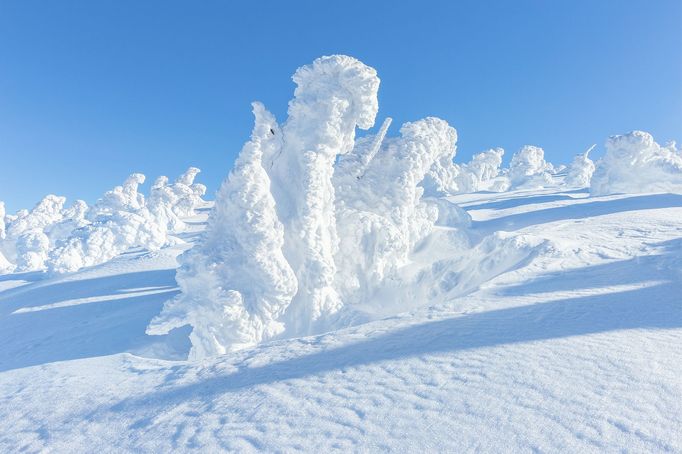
(634, 163)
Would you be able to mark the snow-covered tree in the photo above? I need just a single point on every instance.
(528, 168)
(634, 163)
(119, 221)
(309, 221)
(382, 215)
(581, 169)
(187, 193)
(334, 95)
(170, 203)
(236, 283)
(26, 243)
(122, 198)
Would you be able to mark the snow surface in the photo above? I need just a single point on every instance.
(574, 348)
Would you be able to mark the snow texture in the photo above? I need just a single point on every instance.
(635, 163)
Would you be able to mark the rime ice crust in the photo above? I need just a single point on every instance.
(634, 163)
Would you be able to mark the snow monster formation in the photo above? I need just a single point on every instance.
(528, 168)
(65, 239)
(311, 222)
(635, 163)
(580, 171)
(236, 283)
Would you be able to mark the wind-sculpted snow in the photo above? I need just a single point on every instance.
(236, 284)
(635, 163)
(580, 171)
(528, 168)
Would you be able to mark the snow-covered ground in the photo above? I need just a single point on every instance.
(576, 348)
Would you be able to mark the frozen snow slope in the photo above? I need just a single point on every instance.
(578, 349)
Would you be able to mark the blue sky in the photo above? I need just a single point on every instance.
(92, 91)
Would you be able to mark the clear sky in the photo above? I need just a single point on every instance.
(91, 91)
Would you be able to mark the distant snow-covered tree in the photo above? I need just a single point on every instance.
(581, 169)
(528, 168)
(634, 163)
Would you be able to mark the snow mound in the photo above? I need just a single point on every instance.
(580, 171)
(635, 163)
(528, 168)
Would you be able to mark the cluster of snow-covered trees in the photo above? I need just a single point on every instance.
(311, 221)
(63, 239)
(634, 163)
